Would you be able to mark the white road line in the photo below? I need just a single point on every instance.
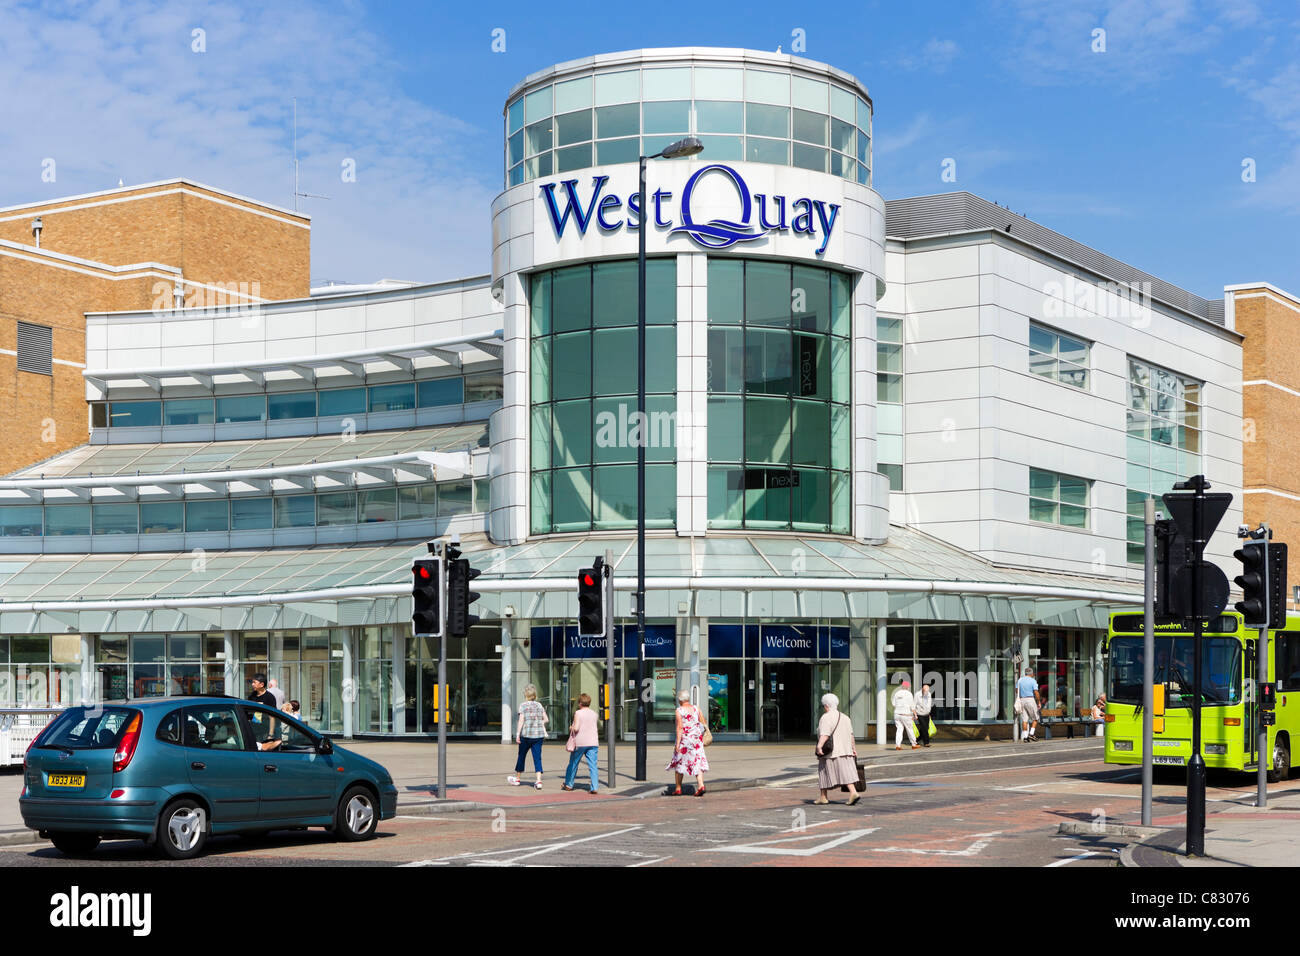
(1081, 855)
(973, 850)
(772, 847)
(648, 862)
(531, 851)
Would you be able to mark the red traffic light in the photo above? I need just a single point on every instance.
(422, 571)
(588, 580)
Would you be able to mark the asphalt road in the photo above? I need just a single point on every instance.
(963, 811)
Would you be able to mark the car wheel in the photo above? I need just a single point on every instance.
(75, 844)
(358, 816)
(1281, 760)
(183, 829)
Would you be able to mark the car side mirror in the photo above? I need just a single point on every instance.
(323, 746)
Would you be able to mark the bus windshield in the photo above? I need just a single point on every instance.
(1220, 670)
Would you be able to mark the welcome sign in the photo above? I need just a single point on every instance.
(740, 214)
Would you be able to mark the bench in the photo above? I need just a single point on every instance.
(1050, 716)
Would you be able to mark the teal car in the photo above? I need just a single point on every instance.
(174, 771)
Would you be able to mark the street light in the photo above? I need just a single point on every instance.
(690, 146)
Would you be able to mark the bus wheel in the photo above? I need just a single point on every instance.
(1281, 760)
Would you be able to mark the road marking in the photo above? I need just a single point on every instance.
(1081, 855)
(426, 819)
(530, 851)
(771, 847)
(973, 850)
(648, 862)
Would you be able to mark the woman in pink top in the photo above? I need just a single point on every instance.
(585, 741)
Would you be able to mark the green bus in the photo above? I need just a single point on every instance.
(1229, 715)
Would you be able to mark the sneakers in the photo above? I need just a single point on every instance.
(537, 785)
(513, 781)
(916, 746)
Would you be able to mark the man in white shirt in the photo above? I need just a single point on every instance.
(904, 715)
(273, 686)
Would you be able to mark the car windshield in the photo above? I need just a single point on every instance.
(87, 728)
(1220, 670)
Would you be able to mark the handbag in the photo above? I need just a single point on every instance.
(830, 738)
(706, 738)
(572, 743)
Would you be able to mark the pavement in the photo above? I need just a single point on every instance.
(1237, 834)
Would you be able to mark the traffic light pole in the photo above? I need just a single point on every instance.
(611, 682)
(1148, 663)
(640, 480)
(1261, 676)
(1196, 766)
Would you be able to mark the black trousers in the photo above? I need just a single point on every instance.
(923, 730)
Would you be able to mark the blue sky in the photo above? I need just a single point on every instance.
(1137, 150)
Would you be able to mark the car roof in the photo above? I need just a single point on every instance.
(151, 702)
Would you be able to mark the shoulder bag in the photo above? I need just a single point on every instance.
(830, 738)
(707, 737)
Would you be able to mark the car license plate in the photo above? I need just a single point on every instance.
(67, 780)
(1173, 760)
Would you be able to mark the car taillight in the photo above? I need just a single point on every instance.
(29, 749)
(126, 748)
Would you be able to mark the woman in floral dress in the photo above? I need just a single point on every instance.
(688, 752)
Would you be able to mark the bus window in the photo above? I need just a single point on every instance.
(1220, 670)
(1286, 661)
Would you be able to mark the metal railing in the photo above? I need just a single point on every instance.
(19, 726)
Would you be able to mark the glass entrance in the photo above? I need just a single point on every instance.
(787, 700)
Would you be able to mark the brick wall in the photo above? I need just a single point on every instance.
(215, 239)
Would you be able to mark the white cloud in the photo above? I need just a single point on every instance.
(112, 89)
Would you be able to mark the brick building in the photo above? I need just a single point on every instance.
(123, 249)
(1269, 318)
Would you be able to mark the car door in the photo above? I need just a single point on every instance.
(222, 766)
(298, 784)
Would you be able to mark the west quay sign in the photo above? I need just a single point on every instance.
(755, 214)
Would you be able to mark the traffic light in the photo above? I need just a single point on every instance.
(459, 596)
(1171, 555)
(1267, 696)
(426, 590)
(1254, 603)
(591, 601)
(1277, 585)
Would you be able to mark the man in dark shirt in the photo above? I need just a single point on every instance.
(264, 729)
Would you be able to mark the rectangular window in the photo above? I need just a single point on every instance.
(207, 515)
(67, 519)
(1058, 356)
(1058, 499)
(1164, 439)
(295, 511)
(35, 348)
(454, 498)
(116, 519)
(161, 517)
(441, 391)
(250, 514)
(188, 411)
(20, 521)
(135, 414)
(485, 387)
(342, 401)
(392, 398)
(377, 505)
(284, 405)
(241, 408)
(419, 501)
(336, 507)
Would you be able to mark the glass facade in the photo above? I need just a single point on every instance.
(778, 380)
(1164, 440)
(278, 406)
(889, 400)
(40, 670)
(584, 426)
(739, 114)
(248, 514)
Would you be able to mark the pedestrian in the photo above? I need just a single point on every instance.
(260, 692)
(1027, 692)
(529, 734)
(904, 715)
(273, 686)
(924, 702)
(586, 742)
(1098, 714)
(688, 751)
(294, 709)
(839, 767)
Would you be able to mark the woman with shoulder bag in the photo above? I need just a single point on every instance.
(584, 741)
(688, 751)
(837, 752)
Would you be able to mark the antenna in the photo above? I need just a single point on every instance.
(298, 193)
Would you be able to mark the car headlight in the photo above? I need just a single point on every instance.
(1123, 745)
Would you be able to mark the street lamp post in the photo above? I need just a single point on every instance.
(690, 146)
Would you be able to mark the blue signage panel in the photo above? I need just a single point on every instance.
(781, 641)
(563, 642)
(726, 640)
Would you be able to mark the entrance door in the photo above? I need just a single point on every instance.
(787, 700)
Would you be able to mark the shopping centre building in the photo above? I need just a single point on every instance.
(883, 439)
